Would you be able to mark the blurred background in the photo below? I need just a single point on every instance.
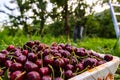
(43, 17)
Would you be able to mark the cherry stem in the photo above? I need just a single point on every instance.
(53, 73)
(30, 48)
(61, 72)
(11, 56)
(82, 70)
(2, 68)
(96, 57)
(20, 75)
(14, 60)
(41, 58)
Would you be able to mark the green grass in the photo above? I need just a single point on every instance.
(101, 45)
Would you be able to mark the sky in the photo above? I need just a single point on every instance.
(3, 17)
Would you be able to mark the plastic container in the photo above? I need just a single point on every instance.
(102, 72)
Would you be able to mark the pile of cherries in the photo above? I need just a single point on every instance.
(38, 61)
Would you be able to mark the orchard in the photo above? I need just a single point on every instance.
(38, 61)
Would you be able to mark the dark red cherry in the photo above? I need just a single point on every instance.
(21, 59)
(30, 66)
(108, 57)
(25, 52)
(32, 57)
(17, 75)
(16, 66)
(44, 71)
(8, 63)
(46, 77)
(33, 75)
(10, 48)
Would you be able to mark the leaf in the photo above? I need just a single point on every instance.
(1, 78)
(6, 75)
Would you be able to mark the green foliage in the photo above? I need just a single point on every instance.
(99, 24)
(106, 24)
(56, 28)
(6, 75)
(116, 47)
(58, 2)
(92, 26)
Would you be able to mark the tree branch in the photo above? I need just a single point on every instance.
(1, 11)
(8, 7)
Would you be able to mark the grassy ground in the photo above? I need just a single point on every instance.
(101, 45)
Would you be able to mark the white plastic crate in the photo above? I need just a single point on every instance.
(102, 72)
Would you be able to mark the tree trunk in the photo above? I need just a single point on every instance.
(42, 22)
(25, 28)
(67, 29)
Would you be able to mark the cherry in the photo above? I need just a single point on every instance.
(32, 57)
(49, 59)
(54, 48)
(81, 52)
(18, 49)
(46, 77)
(4, 52)
(66, 60)
(73, 60)
(25, 52)
(59, 62)
(21, 59)
(10, 48)
(16, 66)
(33, 75)
(65, 53)
(30, 66)
(28, 45)
(108, 57)
(62, 45)
(58, 78)
(8, 63)
(17, 74)
(74, 48)
(44, 71)
(40, 47)
(91, 62)
(36, 42)
(57, 55)
(54, 51)
(59, 47)
(39, 62)
(46, 52)
(17, 53)
(95, 54)
(68, 47)
(79, 66)
(68, 74)
(69, 67)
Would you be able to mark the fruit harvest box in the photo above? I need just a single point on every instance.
(102, 72)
